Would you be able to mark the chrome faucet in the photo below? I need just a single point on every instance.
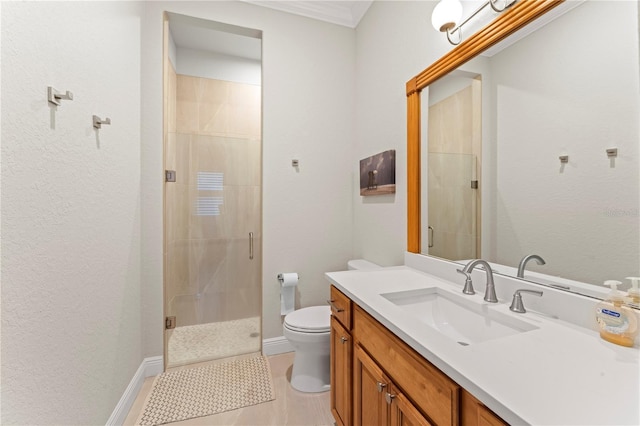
(490, 290)
(516, 303)
(523, 263)
(468, 284)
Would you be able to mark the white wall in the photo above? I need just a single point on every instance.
(395, 41)
(71, 324)
(308, 73)
(198, 63)
(172, 49)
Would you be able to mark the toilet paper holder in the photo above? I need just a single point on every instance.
(281, 278)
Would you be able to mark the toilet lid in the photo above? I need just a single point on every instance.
(314, 319)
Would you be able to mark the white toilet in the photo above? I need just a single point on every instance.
(309, 332)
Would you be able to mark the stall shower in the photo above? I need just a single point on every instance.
(212, 192)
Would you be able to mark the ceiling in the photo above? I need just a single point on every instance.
(209, 36)
(341, 12)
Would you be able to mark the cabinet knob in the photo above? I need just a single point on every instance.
(381, 386)
(334, 307)
(343, 340)
(389, 397)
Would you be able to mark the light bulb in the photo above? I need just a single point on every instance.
(446, 15)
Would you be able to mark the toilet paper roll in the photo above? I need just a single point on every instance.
(288, 284)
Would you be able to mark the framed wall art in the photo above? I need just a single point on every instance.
(378, 174)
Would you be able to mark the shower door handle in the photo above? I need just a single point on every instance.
(430, 243)
(250, 245)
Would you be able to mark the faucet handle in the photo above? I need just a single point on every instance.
(516, 303)
(468, 284)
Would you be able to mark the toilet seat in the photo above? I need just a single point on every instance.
(314, 319)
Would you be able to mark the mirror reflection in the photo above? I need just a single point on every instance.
(495, 131)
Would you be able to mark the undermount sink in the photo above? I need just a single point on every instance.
(460, 319)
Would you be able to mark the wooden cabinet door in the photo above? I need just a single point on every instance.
(341, 373)
(474, 413)
(369, 389)
(431, 390)
(402, 411)
(487, 418)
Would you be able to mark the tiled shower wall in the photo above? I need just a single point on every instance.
(214, 145)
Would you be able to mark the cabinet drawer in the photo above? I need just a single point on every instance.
(433, 393)
(341, 307)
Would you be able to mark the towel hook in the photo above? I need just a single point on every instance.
(98, 122)
(54, 97)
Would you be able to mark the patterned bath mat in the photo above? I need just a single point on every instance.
(203, 391)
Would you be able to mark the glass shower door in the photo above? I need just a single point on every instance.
(452, 206)
(212, 225)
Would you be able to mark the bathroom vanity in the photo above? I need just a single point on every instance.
(396, 358)
(359, 355)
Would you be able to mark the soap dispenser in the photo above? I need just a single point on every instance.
(634, 291)
(618, 323)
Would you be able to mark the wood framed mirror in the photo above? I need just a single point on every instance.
(512, 102)
(516, 17)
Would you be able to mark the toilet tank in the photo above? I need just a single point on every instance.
(362, 265)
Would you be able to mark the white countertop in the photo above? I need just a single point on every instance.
(557, 374)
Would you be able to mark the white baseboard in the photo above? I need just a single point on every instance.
(148, 367)
(276, 345)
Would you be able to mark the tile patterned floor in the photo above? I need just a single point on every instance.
(216, 340)
(289, 408)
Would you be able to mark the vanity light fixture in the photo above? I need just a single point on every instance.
(447, 14)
